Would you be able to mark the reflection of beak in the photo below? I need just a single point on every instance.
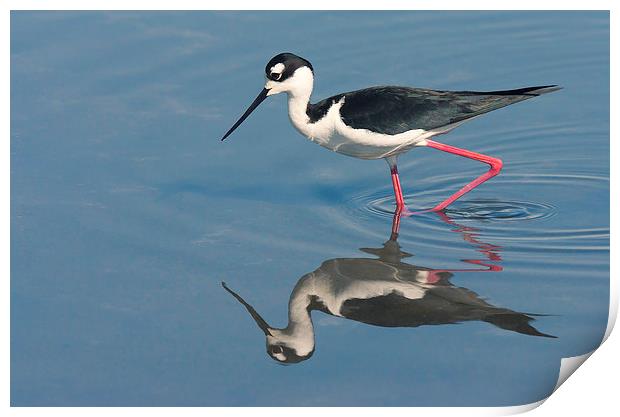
(262, 96)
(257, 318)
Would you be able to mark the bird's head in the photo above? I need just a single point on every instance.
(283, 346)
(285, 349)
(288, 73)
(285, 73)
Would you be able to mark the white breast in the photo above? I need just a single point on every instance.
(332, 133)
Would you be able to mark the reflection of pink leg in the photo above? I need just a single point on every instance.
(490, 267)
(434, 276)
(495, 163)
(395, 225)
(487, 249)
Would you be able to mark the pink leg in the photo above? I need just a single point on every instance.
(398, 192)
(495, 163)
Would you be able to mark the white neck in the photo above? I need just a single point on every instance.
(300, 328)
(299, 89)
(297, 106)
(299, 333)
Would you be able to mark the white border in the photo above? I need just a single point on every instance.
(311, 5)
(594, 390)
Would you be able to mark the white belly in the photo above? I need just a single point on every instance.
(339, 280)
(365, 144)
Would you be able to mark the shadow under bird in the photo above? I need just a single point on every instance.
(383, 122)
(384, 292)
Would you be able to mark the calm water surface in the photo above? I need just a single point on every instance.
(127, 211)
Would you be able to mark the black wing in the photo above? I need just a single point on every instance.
(393, 110)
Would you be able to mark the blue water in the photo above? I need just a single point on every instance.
(127, 211)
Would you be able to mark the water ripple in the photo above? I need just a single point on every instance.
(491, 210)
(520, 225)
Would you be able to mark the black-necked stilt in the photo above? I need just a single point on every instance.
(385, 292)
(383, 122)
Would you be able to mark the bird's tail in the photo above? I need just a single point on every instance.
(517, 322)
(527, 91)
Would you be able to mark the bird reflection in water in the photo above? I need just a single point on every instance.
(386, 292)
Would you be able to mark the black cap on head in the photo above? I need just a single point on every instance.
(291, 62)
(289, 354)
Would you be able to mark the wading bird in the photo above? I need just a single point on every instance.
(383, 122)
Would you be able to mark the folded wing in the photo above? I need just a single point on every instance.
(394, 110)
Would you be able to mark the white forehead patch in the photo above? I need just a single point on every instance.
(278, 68)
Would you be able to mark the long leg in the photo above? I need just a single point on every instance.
(398, 192)
(495, 163)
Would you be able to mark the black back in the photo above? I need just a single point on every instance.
(317, 111)
(394, 110)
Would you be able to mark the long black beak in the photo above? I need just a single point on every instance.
(262, 96)
(257, 318)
